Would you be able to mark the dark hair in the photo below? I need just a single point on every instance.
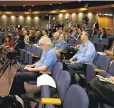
(104, 31)
(9, 37)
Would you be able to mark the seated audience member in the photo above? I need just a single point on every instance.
(26, 37)
(7, 46)
(101, 92)
(102, 34)
(38, 36)
(86, 53)
(95, 28)
(44, 32)
(110, 53)
(50, 33)
(32, 36)
(8, 42)
(61, 45)
(31, 72)
(60, 30)
(19, 44)
(75, 32)
(56, 37)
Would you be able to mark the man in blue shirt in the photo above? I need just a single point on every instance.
(45, 64)
(86, 53)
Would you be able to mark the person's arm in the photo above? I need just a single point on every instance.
(73, 58)
(41, 68)
(47, 62)
(108, 52)
(31, 65)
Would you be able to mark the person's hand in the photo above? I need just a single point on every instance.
(73, 62)
(111, 62)
(28, 68)
(107, 52)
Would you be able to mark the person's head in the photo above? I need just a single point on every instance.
(32, 33)
(45, 43)
(56, 35)
(84, 36)
(75, 28)
(57, 29)
(44, 32)
(8, 38)
(60, 28)
(83, 28)
(24, 32)
(62, 37)
(38, 33)
(103, 31)
(79, 30)
(16, 30)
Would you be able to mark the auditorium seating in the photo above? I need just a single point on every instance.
(45, 90)
(75, 97)
(102, 64)
(62, 85)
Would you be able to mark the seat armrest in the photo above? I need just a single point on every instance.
(35, 56)
(56, 101)
(99, 70)
(49, 73)
(86, 63)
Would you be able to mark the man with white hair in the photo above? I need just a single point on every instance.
(45, 64)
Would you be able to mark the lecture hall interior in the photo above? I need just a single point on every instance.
(56, 54)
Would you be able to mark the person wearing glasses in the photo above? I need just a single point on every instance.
(31, 72)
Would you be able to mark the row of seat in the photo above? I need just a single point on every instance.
(100, 64)
(100, 45)
(62, 88)
(29, 53)
(65, 95)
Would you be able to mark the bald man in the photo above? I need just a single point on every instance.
(86, 53)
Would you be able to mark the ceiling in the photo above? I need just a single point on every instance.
(49, 7)
(29, 3)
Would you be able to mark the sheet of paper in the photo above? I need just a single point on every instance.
(45, 79)
(105, 79)
(101, 53)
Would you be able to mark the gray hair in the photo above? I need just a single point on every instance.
(46, 40)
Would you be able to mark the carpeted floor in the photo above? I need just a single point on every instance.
(5, 83)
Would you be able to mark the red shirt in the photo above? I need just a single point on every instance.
(10, 44)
